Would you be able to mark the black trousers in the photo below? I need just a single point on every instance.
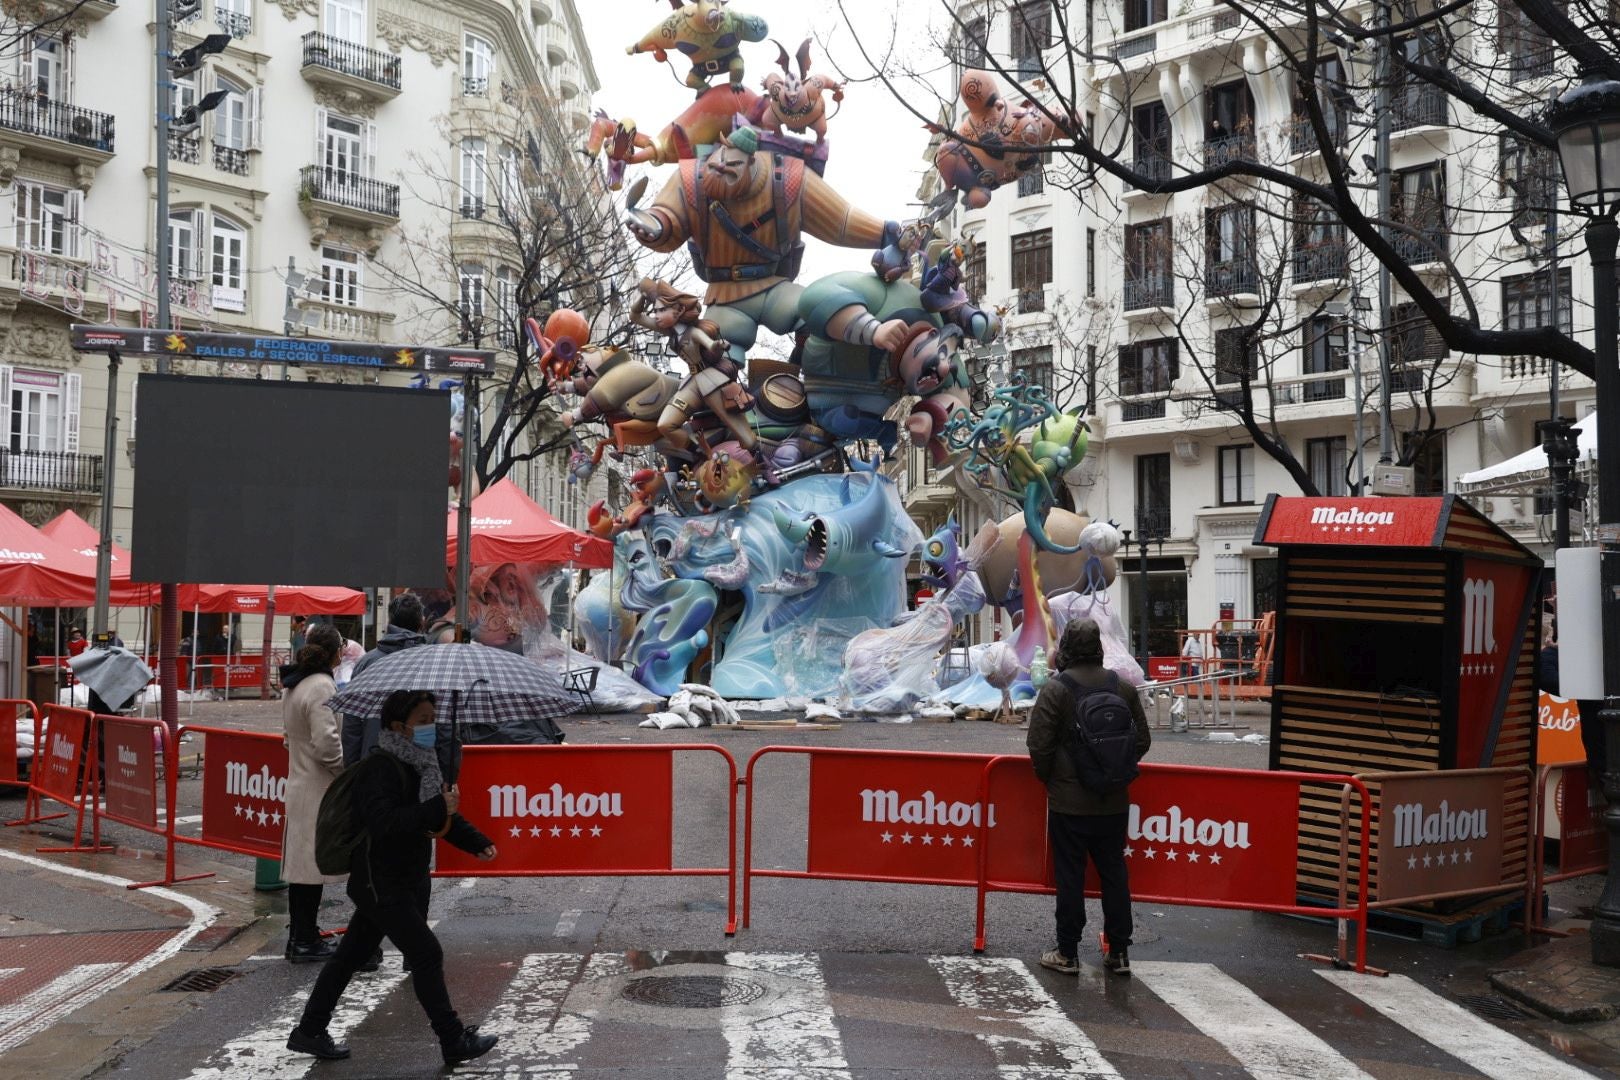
(1101, 837)
(402, 920)
(303, 907)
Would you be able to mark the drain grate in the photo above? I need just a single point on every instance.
(203, 980)
(693, 991)
(1494, 1007)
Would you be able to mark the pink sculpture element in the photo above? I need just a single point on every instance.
(624, 144)
(699, 125)
(1002, 141)
(794, 101)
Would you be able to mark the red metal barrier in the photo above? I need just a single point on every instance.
(1582, 841)
(63, 770)
(221, 672)
(129, 785)
(244, 778)
(10, 771)
(581, 811)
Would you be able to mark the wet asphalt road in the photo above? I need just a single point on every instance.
(635, 976)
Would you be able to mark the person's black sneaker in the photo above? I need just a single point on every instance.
(309, 952)
(372, 962)
(470, 1045)
(320, 1045)
(1118, 962)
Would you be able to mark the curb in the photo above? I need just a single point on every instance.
(1529, 988)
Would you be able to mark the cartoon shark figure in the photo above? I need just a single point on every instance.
(842, 541)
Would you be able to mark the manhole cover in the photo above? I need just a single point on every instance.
(693, 991)
(203, 980)
(1494, 1007)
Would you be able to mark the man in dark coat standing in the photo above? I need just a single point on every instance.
(1081, 822)
(404, 632)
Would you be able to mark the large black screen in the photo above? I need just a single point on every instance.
(245, 482)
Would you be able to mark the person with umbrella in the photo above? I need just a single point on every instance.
(402, 803)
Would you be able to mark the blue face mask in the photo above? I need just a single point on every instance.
(425, 736)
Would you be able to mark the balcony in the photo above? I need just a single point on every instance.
(1236, 277)
(1318, 388)
(554, 39)
(235, 23)
(1153, 167)
(1325, 260)
(1302, 136)
(1143, 409)
(1427, 245)
(367, 74)
(40, 127)
(1526, 368)
(1420, 105)
(1142, 43)
(1229, 148)
(570, 81)
(328, 195)
(1530, 59)
(50, 470)
(185, 148)
(541, 11)
(228, 159)
(340, 322)
(48, 13)
(1153, 523)
(1147, 291)
(474, 86)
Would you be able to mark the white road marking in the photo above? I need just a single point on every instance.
(1470, 1039)
(202, 917)
(1056, 1049)
(801, 1040)
(60, 995)
(567, 922)
(537, 1034)
(1265, 1042)
(6, 973)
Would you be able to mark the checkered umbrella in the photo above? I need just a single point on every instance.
(474, 683)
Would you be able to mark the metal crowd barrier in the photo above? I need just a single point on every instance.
(1203, 694)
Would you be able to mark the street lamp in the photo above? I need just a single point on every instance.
(1144, 527)
(1586, 122)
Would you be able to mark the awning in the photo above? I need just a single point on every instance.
(290, 599)
(510, 527)
(1530, 466)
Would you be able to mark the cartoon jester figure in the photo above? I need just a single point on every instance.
(707, 34)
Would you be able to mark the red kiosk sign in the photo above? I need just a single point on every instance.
(1380, 522)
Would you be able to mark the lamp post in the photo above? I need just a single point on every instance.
(1144, 527)
(1586, 122)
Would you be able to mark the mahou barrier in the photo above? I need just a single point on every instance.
(1583, 843)
(133, 747)
(63, 770)
(244, 793)
(581, 811)
(10, 765)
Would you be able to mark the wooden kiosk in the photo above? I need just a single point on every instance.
(1407, 634)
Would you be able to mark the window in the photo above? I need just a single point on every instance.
(185, 244)
(1031, 35)
(974, 282)
(1332, 96)
(48, 218)
(1416, 101)
(1326, 461)
(1527, 305)
(1148, 367)
(474, 177)
(182, 94)
(1325, 351)
(974, 35)
(1032, 268)
(236, 116)
(1428, 461)
(477, 65)
(1091, 379)
(346, 20)
(1229, 135)
(1228, 250)
(1528, 49)
(1148, 254)
(46, 67)
(340, 276)
(1036, 366)
(1144, 13)
(343, 153)
(1237, 355)
(235, 17)
(1153, 495)
(505, 308)
(1319, 247)
(470, 302)
(229, 260)
(1529, 179)
(1413, 338)
(1420, 204)
(511, 178)
(43, 419)
(1091, 262)
(1033, 182)
(1237, 475)
(1150, 139)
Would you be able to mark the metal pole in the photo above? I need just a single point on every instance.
(469, 429)
(292, 295)
(1361, 405)
(1601, 236)
(1386, 433)
(99, 635)
(168, 593)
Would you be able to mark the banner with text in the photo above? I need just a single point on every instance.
(567, 812)
(130, 772)
(1559, 739)
(57, 772)
(1439, 834)
(244, 791)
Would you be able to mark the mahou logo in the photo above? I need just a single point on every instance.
(1174, 826)
(259, 785)
(61, 748)
(884, 807)
(514, 800)
(1479, 617)
(1326, 515)
(1416, 826)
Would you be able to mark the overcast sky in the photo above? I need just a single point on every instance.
(876, 157)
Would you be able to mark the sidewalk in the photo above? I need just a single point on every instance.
(1559, 980)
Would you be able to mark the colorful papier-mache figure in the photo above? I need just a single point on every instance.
(997, 141)
(623, 144)
(707, 33)
(661, 307)
(798, 102)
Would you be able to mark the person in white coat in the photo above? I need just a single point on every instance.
(314, 759)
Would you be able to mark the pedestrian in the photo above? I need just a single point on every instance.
(314, 759)
(76, 642)
(1086, 817)
(296, 635)
(401, 803)
(1192, 655)
(404, 632)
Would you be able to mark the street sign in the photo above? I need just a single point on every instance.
(299, 352)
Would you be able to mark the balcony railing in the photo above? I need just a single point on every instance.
(1426, 246)
(50, 470)
(1153, 167)
(1149, 291)
(1231, 278)
(235, 23)
(1302, 136)
(1525, 367)
(1326, 260)
(346, 323)
(1229, 148)
(1530, 60)
(1323, 389)
(185, 147)
(1136, 46)
(472, 86)
(1151, 409)
(348, 189)
(335, 54)
(25, 112)
(230, 159)
(1032, 300)
(1153, 523)
(1419, 106)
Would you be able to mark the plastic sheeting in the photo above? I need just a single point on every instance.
(888, 669)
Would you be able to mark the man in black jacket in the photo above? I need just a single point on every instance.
(404, 632)
(1081, 822)
(401, 802)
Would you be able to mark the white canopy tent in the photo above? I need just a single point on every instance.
(1529, 469)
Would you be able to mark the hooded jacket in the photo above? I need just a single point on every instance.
(393, 640)
(392, 862)
(360, 733)
(1048, 742)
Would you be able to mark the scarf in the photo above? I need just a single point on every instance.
(420, 758)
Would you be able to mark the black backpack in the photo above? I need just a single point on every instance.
(337, 827)
(1102, 737)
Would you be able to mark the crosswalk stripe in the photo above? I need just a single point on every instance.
(537, 1035)
(6, 973)
(1452, 1028)
(798, 1041)
(38, 1009)
(1265, 1041)
(1057, 1048)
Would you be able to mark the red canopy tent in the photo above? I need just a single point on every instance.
(251, 599)
(38, 570)
(510, 527)
(82, 539)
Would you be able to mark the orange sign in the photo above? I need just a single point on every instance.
(1560, 737)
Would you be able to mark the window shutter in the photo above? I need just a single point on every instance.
(199, 246)
(320, 137)
(70, 413)
(10, 420)
(1127, 370)
(71, 229)
(255, 103)
(371, 151)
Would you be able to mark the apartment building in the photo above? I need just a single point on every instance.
(340, 187)
(1135, 304)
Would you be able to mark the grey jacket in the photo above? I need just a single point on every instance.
(1048, 736)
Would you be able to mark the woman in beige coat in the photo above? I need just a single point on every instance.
(314, 759)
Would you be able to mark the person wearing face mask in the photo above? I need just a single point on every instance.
(314, 759)
(402, 804)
